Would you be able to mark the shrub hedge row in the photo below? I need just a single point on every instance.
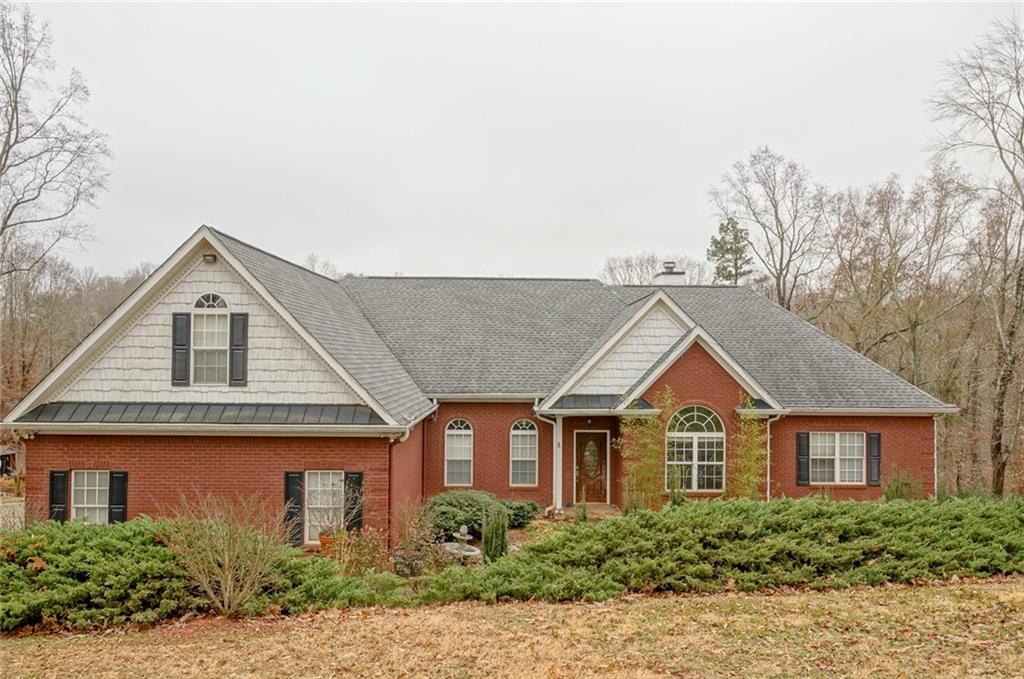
(91, 576)
(710, 546)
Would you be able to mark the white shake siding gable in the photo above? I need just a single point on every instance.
(136, 366)
(633, 355)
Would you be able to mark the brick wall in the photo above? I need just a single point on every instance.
(907, 446)
(492, 424)
(696, 378)
(406, 473)
(160, 466)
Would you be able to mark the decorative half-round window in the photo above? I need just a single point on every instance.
(211, 300)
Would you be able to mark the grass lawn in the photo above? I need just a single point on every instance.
(974, 628)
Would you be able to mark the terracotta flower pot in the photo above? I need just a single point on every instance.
(326, 543)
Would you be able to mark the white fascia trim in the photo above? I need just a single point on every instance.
(700, 336)
(32, 428)
(656, 298)
(613, 412)
(296, 326)
(110, 322)
(496, 397)
(937, 410)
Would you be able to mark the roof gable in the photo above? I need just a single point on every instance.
(178, 264)
(134, 367)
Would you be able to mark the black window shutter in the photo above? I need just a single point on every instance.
(803, 458)
(293, 507)
(59, 495)
(874, 459)
(239, 349)
(181, 327)
(117, 511)
(353, 500)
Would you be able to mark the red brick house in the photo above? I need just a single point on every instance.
(232, 370)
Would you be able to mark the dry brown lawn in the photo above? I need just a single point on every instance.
(966, 629)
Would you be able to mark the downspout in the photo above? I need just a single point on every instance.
(768, 463)
(556, 456)
(935, 455)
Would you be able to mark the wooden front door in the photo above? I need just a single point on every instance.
(591, 466)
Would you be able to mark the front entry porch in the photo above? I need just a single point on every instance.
(591, 463)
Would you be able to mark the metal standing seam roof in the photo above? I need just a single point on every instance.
(201, 413)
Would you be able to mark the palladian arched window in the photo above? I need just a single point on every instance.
(695, 450)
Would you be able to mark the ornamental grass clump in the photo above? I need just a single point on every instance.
(495, 539)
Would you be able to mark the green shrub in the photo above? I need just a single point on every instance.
(82, 576)
(453, 509)
(520, 512)
(752, 545)
(495, 539)
(901, 487)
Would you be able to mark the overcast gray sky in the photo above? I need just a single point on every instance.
(520, 139)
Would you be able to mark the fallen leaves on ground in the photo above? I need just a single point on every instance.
(959, 629)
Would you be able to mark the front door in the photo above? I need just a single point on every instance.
(591, 466)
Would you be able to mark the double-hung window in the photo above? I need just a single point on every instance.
(837, 457)
(90, 496)
(458, 454)
(695, 451)
(210, 340)
(523, 453)
(325, 503)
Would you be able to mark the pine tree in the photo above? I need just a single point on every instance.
(730, 253)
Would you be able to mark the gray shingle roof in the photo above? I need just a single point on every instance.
(326, 311)
(405, 338)
(483, 336)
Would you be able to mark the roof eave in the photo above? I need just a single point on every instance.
(185, 429)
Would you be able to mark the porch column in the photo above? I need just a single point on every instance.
(556, 464)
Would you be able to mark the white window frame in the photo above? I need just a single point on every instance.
(206, 312)
(534, 434)
(306, 506)
(836, 447)
(459, 432)
(693, 437)
(75, 507)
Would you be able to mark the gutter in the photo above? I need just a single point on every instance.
(31, 428)
(610, 412)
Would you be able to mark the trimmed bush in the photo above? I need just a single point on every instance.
(451, 510)
(751, 545)
(520, 512)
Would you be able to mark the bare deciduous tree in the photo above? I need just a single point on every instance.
(981, 103)
(775, 199)
(51, 161)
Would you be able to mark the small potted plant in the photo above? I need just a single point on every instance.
(328, 536)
